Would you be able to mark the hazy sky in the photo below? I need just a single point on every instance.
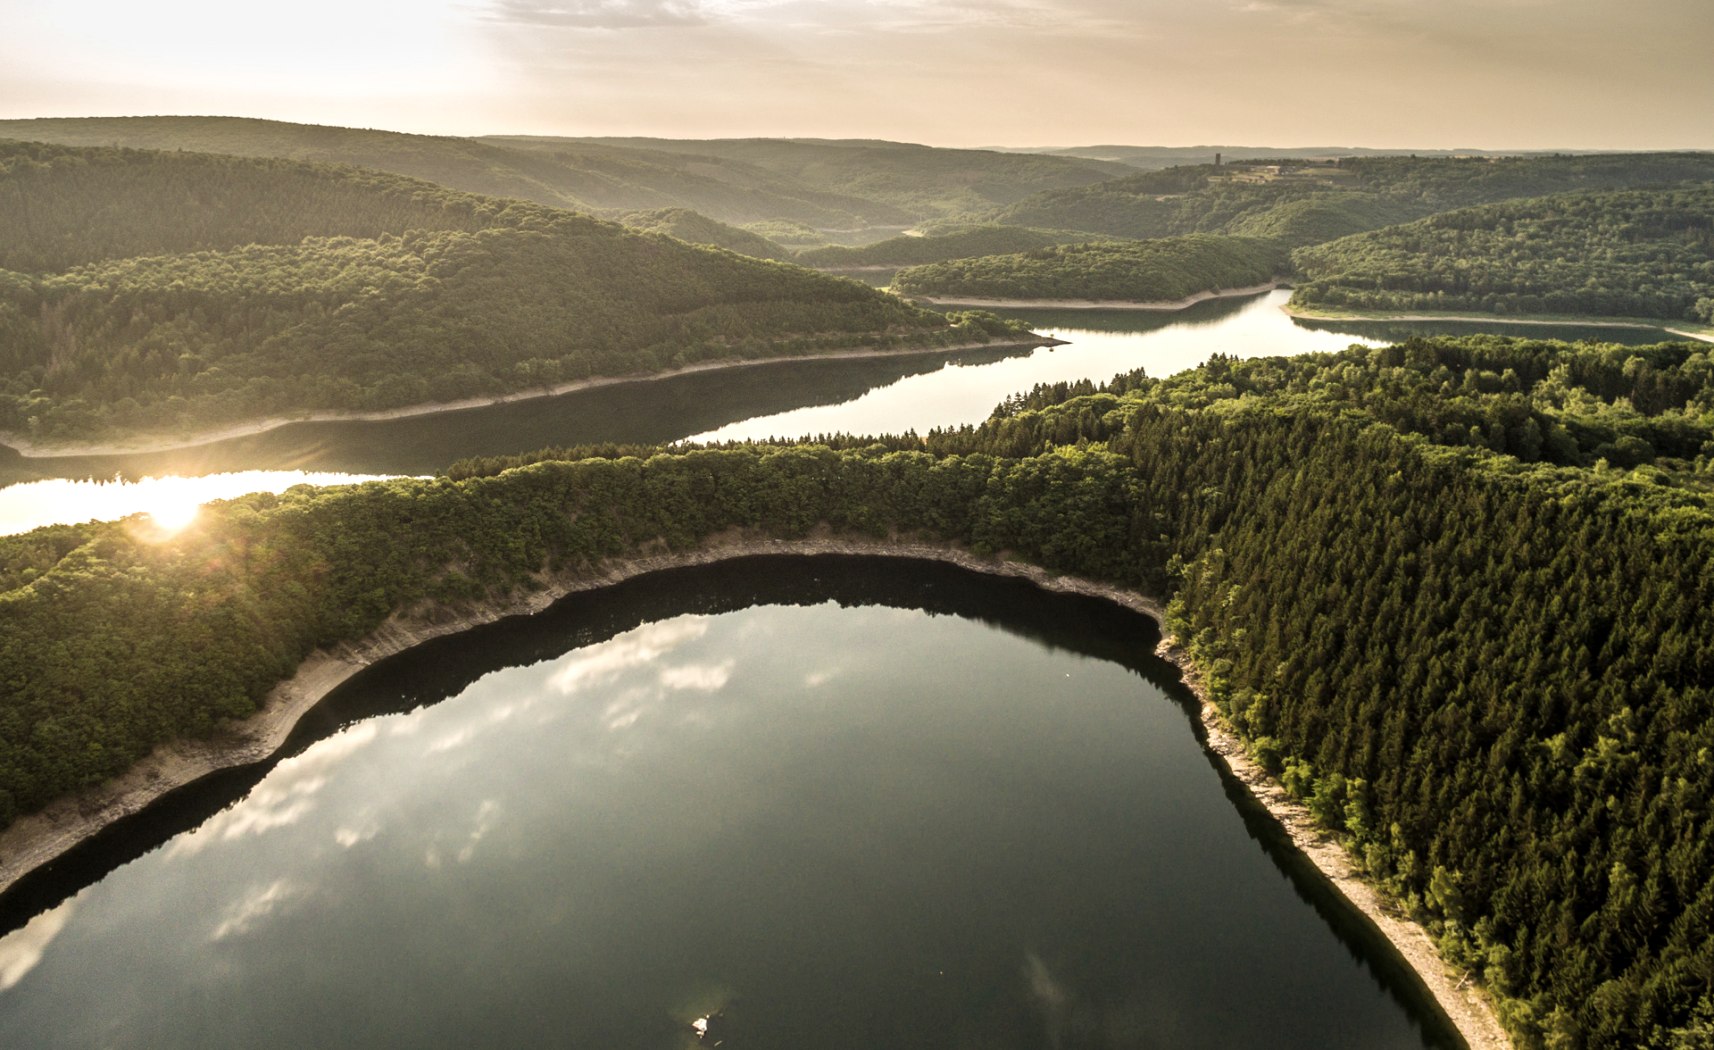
(1426, 73)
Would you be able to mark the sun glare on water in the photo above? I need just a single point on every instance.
(172, 512)
(172, 503)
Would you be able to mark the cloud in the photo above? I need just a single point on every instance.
(21, 951)
(252, 909)
(598, 14)
(605, 663)
(283, 798)
(702, 678)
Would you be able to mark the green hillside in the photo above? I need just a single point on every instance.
(1640, 253)
(825, 185)
(942, 242)
(276, 288)
(921, 182)
(63, 206)
(689, 226)
(1307, 201)
(1168, 268)
(581, 176)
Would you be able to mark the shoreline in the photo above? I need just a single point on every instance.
(1464, 1005)
(28, 449)
(1157, 305)
(40, 838)
(1557, 322)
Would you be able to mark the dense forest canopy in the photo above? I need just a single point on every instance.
(275, 287)
(1639, 253)
(693, 228)
(62, 207)
(1458, 594)
(1308, 202)
(1165, 269)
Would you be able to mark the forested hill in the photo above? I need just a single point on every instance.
(1458, 594)
(1169, 268)
(586, 177)
(1639, 253)
(824, 185)
(1309, 202)
(924, 182)
(696, 228)
(940, 243)
(61, 207)
(218, 290)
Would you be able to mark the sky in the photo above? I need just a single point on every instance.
(1430, 74)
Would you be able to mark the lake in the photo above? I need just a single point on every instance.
(780, 399)
(785, 399)
(800, 802)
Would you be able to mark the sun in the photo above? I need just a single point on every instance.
(172, 511)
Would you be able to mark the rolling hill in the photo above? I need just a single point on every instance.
(218, 290)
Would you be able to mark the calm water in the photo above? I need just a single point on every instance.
(788, 400)
(861, 396)
(759, 794)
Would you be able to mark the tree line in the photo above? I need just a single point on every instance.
(1145, 271)
(1638, 253)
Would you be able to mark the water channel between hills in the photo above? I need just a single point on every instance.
(801, 802)
(859, 396)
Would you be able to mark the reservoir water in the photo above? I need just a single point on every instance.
(853, 395)
(785, 399)
(792, 803)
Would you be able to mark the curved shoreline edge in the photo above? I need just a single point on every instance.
(1555, 322)
(41, 837)
(1157, 305)
(29, 449)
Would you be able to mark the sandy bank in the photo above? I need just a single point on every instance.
(39, 838)
(39, 450)
(1466, 1006)
(1162, 305)
(1558, 322)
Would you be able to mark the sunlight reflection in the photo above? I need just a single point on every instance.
(172, 502)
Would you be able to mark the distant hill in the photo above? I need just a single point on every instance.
(1307, 202)
(696, 228)
(823, 185)
(216, 290)
(66, 206)
(950, 241)
(1638, 253)
(1164, 269)
(921, 182)
(1153, 158)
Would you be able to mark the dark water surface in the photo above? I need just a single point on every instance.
(814, 802)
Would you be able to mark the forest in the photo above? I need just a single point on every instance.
(939, 242)
(696, 228)
(220, 289)
(1165, 269)
(1304, 202)
(828, 185)
(1458, 594)
(1637, 253)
